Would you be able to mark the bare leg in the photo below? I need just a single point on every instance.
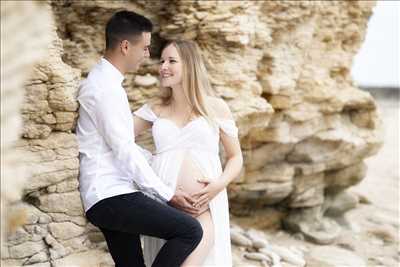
(197, 257)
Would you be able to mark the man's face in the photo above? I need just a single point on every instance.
(138, 52)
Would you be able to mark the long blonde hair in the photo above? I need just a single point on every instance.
(195, 84)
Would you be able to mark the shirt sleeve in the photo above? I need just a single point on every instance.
(145, 113)
(117, 131)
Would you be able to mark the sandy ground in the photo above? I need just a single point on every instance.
(372, 237)
(381, 185)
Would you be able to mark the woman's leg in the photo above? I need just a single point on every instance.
(197, 257)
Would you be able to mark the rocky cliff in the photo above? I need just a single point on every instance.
(283, 68)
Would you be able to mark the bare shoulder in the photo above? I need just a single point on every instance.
(219, 107)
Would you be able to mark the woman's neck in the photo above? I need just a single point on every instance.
(179, 100)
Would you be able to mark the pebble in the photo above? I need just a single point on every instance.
(288, 255)
(276, 259)
(239, 239)
(257, 256)
(256, 238)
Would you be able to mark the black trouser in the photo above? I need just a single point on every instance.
(123, 218)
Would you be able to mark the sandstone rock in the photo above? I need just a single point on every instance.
(338, 204)
(345, 177)
(362, 198)
(61, 217)
(67, 186)
(239, 239)
(288, 256)
(276, 259)
(96, 237)
(277, 172)
(236, 227)
(33, 215)
(65, 230)
(257, 256)
(261, 193)
(13, 75)
(299, 251)
(76, 244)
(258, 238)
(37, 258)
(386, 233)
(44, 179)
(56, 249)
(145, 81)
(37, 232)
(26, 249)
(308, 191)
(35, 131)
(268, 153)
(88, 258)
(18, 237)
(44, 264)
(69, 203)
(348, 223)
(313, 225)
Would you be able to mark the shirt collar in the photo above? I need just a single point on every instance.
(114, 73)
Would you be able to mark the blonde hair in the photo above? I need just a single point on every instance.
(195, 83)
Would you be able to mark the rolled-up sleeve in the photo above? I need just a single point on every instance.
(110, 120)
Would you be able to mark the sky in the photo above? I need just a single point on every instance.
(377, 62)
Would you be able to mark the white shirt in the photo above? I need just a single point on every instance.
(110, 162)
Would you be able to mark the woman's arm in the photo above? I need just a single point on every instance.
(233, 152)
(234, 159)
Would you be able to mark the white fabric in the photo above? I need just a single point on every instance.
(200, 141)
(110, 162)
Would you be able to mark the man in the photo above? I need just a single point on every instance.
(114, 171)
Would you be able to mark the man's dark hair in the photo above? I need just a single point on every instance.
(126, 25)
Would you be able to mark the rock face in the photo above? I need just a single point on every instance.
(25, 34)
(283, 68)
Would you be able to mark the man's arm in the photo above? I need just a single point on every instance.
(109, 117)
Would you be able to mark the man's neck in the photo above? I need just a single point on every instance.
(114, 62)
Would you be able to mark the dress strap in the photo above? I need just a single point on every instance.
(228, 126)
(146, 113)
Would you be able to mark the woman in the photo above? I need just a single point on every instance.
(187, 124)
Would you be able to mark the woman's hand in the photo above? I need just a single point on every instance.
(205, 195)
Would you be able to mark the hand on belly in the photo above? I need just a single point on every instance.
(188, 180)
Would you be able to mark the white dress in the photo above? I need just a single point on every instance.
(199, 141)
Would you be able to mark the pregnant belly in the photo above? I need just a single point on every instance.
(187, 179)
(188, 176)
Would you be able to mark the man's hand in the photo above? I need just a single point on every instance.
(184, 202)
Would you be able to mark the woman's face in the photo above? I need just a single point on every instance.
(170, 67)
